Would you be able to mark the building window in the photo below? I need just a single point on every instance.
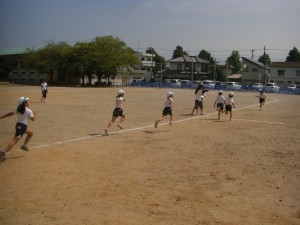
(246, 68)
(297, 73)
(280, 72)
(179, 66)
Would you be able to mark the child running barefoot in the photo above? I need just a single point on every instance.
(220, 103)
(23, 113)
(118, 111)
(229, 104)
(167, 110)
(262, 98)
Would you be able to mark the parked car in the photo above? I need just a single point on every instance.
(175, 83)
(297, 89)
(186, 83)
(273, 87)
(220, 85)
(233, 86)
(257, 86)
(209, 84)
(292, 87)
(195, 83)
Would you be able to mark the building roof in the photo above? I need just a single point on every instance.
(285, 64)
(235, 76)
(187, 58)
(259, 64)
(12, 51)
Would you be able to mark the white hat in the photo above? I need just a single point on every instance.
(21, 100)
(220, 91)
(170, 94)
(121, 92)
(231, 94)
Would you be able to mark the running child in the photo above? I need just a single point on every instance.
(229, 104)
(220, 103)
(44, 87)
(24, 114)
(262, 98)
(199, 96)
(168, 110)
(118, 112)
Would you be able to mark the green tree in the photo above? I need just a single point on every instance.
(203, 54)
(158, 60)
(178, 52)
(111, 54)
(234, 60)
(265, 59)
(47, 59)
(7, 64)
(293, 56)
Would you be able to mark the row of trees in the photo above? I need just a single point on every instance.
(104, 56)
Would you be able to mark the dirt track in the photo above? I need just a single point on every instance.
(199, 171)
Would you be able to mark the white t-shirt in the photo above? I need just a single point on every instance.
(23, 118)
(168, 102)
(220, 99)
(262, 95)
(229, 101)
(119, 102)
(200, 96)
(44, 86)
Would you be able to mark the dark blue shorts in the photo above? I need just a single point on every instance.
(198, 104)
(167, 111)
(118, 112)
(228, 108)
(220, 106)
(20, 129)
(44, 92)
(261, 100)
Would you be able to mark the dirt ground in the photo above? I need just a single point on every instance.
(199, 171)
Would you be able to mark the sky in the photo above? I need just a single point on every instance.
(217, 26)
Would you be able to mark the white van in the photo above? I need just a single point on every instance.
(175, 83)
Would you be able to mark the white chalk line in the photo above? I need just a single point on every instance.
(162, 124)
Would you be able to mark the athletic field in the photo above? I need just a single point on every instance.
(200, 171)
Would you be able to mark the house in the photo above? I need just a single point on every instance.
(23, 75)
(187, 68)
(285, 73)
(255, 72)
(142, 71)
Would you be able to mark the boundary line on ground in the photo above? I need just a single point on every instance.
(162, 124)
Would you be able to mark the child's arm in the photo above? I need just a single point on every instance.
(233, 105)
(33, 116)
(7, 115)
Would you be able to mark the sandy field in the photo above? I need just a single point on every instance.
(200, 171)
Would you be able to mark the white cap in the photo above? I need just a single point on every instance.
(170, 94)
(260, 90)
(220, 91)
(231, 94)
(121, 92)
(21, 100)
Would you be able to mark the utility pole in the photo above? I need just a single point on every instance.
(252, 52)
(215, 70)
(264, 82)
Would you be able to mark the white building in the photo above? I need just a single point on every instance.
(285, 73)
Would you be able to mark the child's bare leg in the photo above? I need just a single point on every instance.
(171, 118)
(230, 113)
(110, 124)
(157, 121)
(121, 121)
(11, 144)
